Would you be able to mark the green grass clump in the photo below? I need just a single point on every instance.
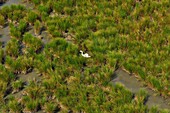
(1, 56)
(31, 17)
(32, 42)
(12, 48)
(13, 13)
(2, 20)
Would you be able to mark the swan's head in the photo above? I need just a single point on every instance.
(81, 51)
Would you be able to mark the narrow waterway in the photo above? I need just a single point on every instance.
(134, 85)
(5, 36)
(10, 2)
(16, 2)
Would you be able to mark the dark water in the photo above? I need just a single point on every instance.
(131, 83)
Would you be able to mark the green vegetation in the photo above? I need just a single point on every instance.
(2, 21)
(37, 27)
(12, 48)
(128, 34)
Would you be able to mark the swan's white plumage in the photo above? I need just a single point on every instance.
(86, 55)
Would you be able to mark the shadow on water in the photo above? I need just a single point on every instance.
(134, 85)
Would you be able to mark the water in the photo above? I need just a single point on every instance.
(5, 36)
(134, 85)
(4, 33)
(16, 2)
(26, 78)
(29, 77)
(10, 2)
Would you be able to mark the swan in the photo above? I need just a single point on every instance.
(86, 55)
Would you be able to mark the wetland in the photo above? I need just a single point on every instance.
(41, 68)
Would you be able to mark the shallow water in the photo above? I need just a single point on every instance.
(4, 33)
(10, 2)
(131, 83)
(29, 77)
(44, 34)
(26, 78)
(16, 2)
(5, 36)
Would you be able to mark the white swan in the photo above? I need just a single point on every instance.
(84, 55)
